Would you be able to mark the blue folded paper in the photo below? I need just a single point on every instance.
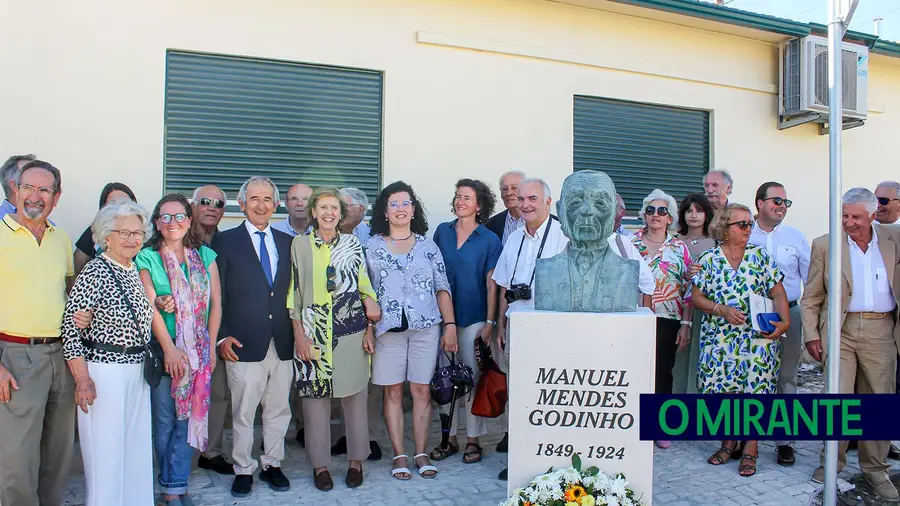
(764, 320)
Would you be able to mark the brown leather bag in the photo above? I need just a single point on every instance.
(490, 394)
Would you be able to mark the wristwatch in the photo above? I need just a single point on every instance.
(492, 322)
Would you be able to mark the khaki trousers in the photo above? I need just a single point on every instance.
(317, 414)
(791, 353)
(254, 383)
(37, 425)
(868, 362)
(374, 401)
(219, 406)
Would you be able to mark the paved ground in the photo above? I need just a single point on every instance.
(682, 478)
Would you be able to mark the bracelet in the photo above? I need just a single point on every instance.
(685, 322)
(451, 323)
(714, 309)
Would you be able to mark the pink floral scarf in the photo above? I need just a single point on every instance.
(191, 294)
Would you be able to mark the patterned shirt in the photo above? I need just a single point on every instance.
(671, 271)
(512, 224)
(411, 288)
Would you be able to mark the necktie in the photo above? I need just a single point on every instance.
(264, 257)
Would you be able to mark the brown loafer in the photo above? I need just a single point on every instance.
(354, 477)
(323, 481)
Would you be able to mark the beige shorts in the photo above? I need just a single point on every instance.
(405, 356)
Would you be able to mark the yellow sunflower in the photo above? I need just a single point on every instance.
(574, 494)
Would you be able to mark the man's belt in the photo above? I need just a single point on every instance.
(867, 315)
(28, 340)
(792, 303)
(113, 348)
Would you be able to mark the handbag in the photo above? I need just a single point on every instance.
(491, 393)
(453, 380)
(153, 365)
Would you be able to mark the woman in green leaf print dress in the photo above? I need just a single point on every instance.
(734, 358)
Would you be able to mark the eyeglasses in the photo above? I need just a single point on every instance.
(744, 225)
(330, 274)
(399, 204)
(167, 218)
(44, 192)
(206, 201)
(127, 234)
(660, 211)
(298, 199)
(778, 201)
(885, 201)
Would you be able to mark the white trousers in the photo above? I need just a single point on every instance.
(116, 440)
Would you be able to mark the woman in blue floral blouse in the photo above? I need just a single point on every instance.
(410, 281)
(735, 358)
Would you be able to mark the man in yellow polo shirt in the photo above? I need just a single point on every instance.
(37, 393)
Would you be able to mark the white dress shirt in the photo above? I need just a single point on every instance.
(503, 272)
(871, 289)
(789, 248)
(270, 245)
(646, 281)
(285, 226)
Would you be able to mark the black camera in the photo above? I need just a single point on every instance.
(519, 291)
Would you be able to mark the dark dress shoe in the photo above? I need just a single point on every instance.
(853, 445)
(503, 445)
(503, 474)
(785, 455)
(324, 482)
(894, 452)
(242, 485)
(376, 451)
(301, 437)
(216, 464)
(275, 478)
(340, 448)
(354, 477)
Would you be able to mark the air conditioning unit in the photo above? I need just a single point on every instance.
(803, 81)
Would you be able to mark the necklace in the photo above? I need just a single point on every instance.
(400, 240)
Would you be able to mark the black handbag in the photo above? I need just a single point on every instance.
(153, 366)
(451, 381)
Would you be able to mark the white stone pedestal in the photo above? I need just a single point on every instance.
(574, 384)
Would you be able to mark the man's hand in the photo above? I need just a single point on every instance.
(501, 336)
(448, 341)
(486, 333)
(85, 393)
(226, 351)
(814, 348)
(83, 319)
(683, 338)
(7, 384)
(166, 303)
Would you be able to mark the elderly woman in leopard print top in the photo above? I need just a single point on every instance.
(106, 361)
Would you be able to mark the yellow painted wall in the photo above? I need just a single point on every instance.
(472, 88)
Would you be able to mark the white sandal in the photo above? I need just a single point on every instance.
(425, 468)
(401, 470)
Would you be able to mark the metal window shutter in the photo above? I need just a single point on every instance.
(642, 147)
(230, 118)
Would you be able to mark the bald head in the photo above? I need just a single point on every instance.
(297, 201)
(209, 206)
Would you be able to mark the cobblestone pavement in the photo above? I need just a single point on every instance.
(681, 478)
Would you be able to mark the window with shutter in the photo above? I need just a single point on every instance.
(642, 147)
(229, 118)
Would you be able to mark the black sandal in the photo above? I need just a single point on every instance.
(738, 451)
(717, 459)
(747, 470)
(477, 453)
(442, 452)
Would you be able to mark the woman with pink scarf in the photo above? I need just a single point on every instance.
(180, 275)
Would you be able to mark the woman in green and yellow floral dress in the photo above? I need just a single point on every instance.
(332, 305)
(734, 358)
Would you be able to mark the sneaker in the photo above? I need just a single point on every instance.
(894, 452)
(663, 444)
(375, 451)
(275, 478)
(503, 445)
(884, 488)
(242, 485)
(340, 447)
(503, 476)
(218, 464)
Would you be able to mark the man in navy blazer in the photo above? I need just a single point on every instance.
(506, 222)
(256, 340)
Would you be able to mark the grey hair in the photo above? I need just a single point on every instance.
(518, 173)
(726, 176)
(105, 221)
(863, 196)
(40, 164)
(357, 196)
(10, 171)
(197, 193)
(620, 200)
(892, 185)
(670, 204)
(539, 181)
(242, 194)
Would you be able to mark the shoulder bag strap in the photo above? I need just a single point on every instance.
(127, 302)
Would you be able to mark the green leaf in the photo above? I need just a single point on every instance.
(576, 462)
(592, 471)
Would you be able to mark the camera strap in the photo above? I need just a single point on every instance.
(540, 250)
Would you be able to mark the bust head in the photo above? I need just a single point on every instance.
(587, 209)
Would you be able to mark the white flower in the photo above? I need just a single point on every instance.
(611, 500)
(568, 476)
(600, 482)
(618, 487)
(514, 498)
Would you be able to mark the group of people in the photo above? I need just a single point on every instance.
(296, 315)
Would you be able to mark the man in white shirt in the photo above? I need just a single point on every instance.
(869, 340)
(620, 213)
(789, 248)
(888, 195)
(357, 205)
(296, 202)
(646, 283)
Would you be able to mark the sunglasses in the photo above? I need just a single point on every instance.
(331, 274)
(167, 218)
(206, 201)
(885, 201)
(744, 225)
(659, 211)
(778, 201)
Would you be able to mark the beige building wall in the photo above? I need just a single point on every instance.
(472, 88)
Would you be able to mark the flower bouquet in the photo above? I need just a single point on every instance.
(574, 487)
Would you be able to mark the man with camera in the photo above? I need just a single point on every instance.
(541, 237)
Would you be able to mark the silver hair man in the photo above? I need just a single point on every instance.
(242, 194)
(357, 196)
(196, 196)
(862, 196)
(717, 184)
(9, 172)
(888, 195)
(537, 180)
